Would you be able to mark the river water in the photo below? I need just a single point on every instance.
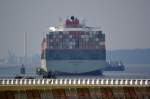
(138, 70)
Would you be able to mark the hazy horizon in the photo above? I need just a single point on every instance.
(126, 23)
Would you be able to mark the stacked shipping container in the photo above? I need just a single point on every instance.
(75, 40)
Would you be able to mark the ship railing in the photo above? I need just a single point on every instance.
(103, 82)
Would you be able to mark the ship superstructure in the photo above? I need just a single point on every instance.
(73, 48)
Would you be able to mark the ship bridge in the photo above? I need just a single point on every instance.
(73, 24)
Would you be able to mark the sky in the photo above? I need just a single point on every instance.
(126, 23)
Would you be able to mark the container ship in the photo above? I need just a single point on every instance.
(73, 49)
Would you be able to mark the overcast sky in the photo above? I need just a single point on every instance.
(126, 23)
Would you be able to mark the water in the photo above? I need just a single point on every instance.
(138, 70)
(132, 69)
(15, 70)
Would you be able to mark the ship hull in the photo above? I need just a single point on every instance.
(73, 66)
